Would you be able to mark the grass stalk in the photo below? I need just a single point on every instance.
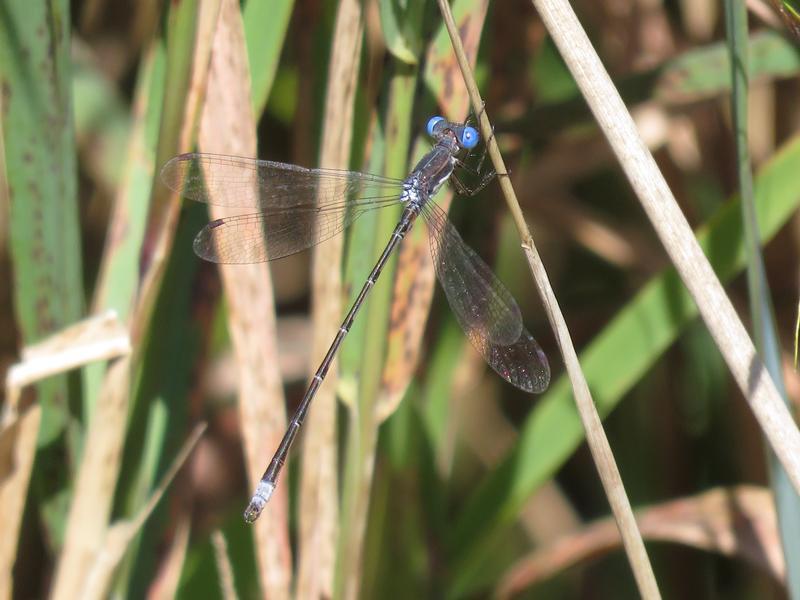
(596, 438)
(787, 500)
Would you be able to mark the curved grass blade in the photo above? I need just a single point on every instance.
(400, 22)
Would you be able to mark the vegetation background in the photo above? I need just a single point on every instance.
(430, 477)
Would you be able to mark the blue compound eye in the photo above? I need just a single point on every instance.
(433, 122)
(469, 137)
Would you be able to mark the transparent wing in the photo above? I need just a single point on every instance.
(298, 207)
(270, 235)
(484, 308)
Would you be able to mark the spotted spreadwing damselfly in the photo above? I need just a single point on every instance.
(298, 208)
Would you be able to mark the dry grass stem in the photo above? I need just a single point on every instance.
(121, 534)
(227, 126)
(87, 522)
(319, 509)
(595, 436)
(765, 13)
(17, 449)
(100, 337)
(169, 574)
(224, 567)
(674, 232)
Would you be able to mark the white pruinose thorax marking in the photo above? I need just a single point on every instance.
(410, 193)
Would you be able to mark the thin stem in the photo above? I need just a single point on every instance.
(595, 436)
(787, 501)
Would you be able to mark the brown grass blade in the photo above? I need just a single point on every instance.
(227, 126)
(319, 508)
(411, 302)
(87, 523)
(224, 567)
(165, 586)
(17, 451)
(165, 206)
(99, 337)
(415, 280)
(736, 522)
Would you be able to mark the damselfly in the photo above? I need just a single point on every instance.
(298, 208)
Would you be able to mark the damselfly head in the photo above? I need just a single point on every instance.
(466, 136)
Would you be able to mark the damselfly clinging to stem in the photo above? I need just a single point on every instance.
(298, 208)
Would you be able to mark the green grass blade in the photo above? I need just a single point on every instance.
(613, 362)
(119, 273)
(790, 11)
(707, 71)
(163, 130)
(159, 423)
(787, 500)
(39, 141)
(118, 276)
(400, 20)
(265, 26)
(158, 406)
(695, 75)
(435, 408)
(363, 427)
